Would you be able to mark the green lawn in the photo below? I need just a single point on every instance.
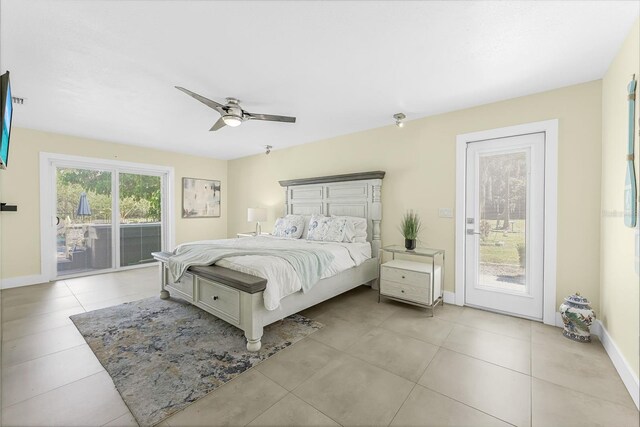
(492, 251)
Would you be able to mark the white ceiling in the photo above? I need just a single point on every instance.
(107, 69)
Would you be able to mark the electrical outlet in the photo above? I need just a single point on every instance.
(445, 212)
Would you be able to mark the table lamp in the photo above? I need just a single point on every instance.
(257, 215)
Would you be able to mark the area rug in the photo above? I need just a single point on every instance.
(164, 355)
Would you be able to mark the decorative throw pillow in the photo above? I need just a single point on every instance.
(356, 229)
(327, 229)
(318, 225)
(336, 230)
(290, 226)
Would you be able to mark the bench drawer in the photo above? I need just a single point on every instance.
(220, 299)
(183, 286)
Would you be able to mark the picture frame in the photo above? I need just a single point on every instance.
(200, 198)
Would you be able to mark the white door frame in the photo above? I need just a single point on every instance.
(550, 129)
(48, 164)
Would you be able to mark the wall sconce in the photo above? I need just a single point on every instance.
(399, 119)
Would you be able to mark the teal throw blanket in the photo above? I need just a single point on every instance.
(308, 264)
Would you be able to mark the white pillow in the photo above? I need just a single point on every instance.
(360, 225)
(349, 232)
(356, 231)
(305, 233)
(290, 226)
(326, 228)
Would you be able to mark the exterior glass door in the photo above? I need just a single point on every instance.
(140, 203)
(106, 219)
(505, 225)
(84, 220)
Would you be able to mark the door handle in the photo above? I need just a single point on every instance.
(473, 232)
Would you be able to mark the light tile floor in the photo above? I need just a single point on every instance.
(372, 364)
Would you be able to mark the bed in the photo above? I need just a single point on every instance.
(239, 298)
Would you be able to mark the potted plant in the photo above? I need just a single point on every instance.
(410, 227)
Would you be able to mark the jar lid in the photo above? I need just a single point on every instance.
(577, 299)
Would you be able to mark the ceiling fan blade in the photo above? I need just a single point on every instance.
(218, 125)
(270, 117)
(213, 104)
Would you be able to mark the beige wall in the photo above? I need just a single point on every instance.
(20, 245)
(420, 163)
(619, 288)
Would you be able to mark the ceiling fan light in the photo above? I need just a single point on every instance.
(232, 121)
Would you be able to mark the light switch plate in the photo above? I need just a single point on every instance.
(445, 212)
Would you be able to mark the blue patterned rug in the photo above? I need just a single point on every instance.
(164, 355)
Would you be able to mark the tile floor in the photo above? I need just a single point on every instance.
(372, 364)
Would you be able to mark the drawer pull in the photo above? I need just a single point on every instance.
(403, 277)
(402, 290)
(215, 297)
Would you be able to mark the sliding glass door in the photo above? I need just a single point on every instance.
(106, 216)
(84, 220)
(140, 202)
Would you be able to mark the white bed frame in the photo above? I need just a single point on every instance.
(355, 195)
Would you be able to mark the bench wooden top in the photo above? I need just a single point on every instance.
(235, 279)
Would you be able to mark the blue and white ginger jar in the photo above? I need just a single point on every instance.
(577, 316)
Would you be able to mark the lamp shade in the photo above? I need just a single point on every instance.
(256, 214)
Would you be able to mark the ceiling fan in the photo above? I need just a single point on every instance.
(232, 113)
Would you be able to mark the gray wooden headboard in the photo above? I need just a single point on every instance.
(354, 194)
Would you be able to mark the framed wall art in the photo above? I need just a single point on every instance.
(200, 198)
(630, 185)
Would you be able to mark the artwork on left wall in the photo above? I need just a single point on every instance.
(200, 198)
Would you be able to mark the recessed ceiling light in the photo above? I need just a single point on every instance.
(399, 119)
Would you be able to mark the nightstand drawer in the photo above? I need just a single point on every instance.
(183, 286)
(405, 291)
(404, 276)
(221, 299)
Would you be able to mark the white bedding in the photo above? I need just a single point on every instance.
(282, 280)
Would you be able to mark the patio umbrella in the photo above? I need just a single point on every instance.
(83, 206)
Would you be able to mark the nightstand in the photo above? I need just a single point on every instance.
(251, 234)
(414, 282)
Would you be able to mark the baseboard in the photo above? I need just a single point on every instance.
(629, 378)
(449, 297)
(16, 282)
